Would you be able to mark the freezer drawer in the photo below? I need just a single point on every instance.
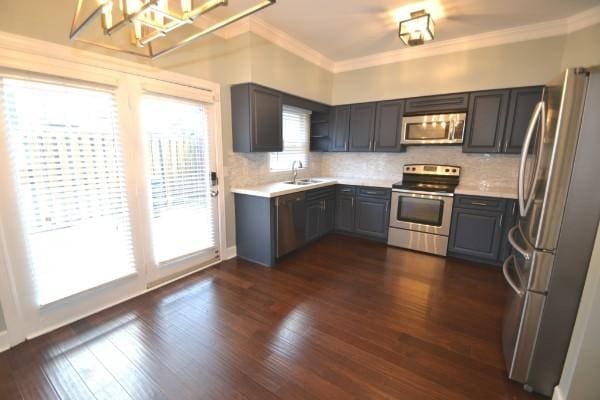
(521, 324)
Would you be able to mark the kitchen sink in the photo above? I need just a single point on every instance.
(303, 182)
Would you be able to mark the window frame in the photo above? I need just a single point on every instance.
(305, 156)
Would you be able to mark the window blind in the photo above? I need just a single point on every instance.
(67, 161)
(183, 218)
(296, 132)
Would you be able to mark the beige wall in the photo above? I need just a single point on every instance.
(516, 64)
(579, 380)
(582, 48)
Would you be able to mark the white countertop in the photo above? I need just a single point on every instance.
(481, 189)
(280, 188)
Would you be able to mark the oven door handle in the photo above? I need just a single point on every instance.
(432, 195)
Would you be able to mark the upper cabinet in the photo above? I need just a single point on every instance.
(362, 127)
(256, 118)
(388, 126)
(340, 128)
(520, 109)
(486, 119)
(497, 120)
(437, 104)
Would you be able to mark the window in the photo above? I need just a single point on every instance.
(66, 152)
(182, 219)
(296, 131)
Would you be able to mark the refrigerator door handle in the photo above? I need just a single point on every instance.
(511, 239)
(509, 280)
(525, 204)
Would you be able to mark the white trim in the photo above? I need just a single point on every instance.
(10, 43)
(557, 395)
(287, 42)
(229, 253)
(4, 343)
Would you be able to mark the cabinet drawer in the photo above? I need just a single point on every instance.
(480, 203)
(320, 194)
(373, 192)
(443, 103)
(346, 190)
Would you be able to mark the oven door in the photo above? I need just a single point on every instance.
(421, 211)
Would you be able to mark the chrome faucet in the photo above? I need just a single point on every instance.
(295, 170)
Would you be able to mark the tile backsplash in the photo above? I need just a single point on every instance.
(251, 169)
(495, 170)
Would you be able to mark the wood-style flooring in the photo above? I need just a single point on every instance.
(342, 319)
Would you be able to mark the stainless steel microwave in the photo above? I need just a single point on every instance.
(434, 129)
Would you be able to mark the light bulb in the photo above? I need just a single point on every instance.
(186, 6)
(107, 15)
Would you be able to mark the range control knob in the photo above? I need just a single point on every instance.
(447, 170)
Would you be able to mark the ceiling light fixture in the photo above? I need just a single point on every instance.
(150, 20)
(418, 29)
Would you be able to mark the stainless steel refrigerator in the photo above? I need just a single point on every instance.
(559, 210)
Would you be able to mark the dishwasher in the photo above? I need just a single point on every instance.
(291, 222)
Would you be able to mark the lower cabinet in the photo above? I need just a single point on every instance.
(363, 211)
(479, 228)
(320, 213)
(372, 217)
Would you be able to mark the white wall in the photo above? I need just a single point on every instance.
(581, 374)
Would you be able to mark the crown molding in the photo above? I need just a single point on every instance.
(287, 42)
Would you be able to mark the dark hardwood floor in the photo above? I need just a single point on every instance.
(341, 319)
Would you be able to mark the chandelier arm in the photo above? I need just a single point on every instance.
(76, 30)
(217, 26)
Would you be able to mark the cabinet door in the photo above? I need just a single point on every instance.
(521, 106)
(313, 217)
(486, 120)
(340, 128)
(327, 222)
(437, 104)
(372, 217)
(266, 119)
(344, 214)
(388, 126)
(362, 127)
(476, 233)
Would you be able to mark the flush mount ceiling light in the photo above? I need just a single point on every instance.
(418, 29)
(150, 21)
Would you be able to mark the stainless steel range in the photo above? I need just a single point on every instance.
(422, 208)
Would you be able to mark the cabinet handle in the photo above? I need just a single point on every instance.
(478, 203)
(353, 202)
(370, 192)
(501, 219)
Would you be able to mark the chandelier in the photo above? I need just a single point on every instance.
(149, 22)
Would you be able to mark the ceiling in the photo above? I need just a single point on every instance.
(347, 29)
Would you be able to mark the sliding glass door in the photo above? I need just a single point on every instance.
(106, 191)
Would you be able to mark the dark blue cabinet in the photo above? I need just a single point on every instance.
(362, 127)
(320, 212)
(340, 128)
(479, 228)
(363, 211)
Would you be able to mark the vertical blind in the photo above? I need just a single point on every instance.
(65, 148)
(296, 131)
(177, 136)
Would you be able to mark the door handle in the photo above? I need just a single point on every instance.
(214, 193)
(515, 245)
(509, 280)
(539, 110)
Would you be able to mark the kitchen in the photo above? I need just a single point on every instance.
(384, 177)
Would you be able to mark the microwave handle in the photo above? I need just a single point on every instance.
(452, 128)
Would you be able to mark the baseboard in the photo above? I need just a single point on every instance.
(558, 395)
(230, 252)
(4, 343)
